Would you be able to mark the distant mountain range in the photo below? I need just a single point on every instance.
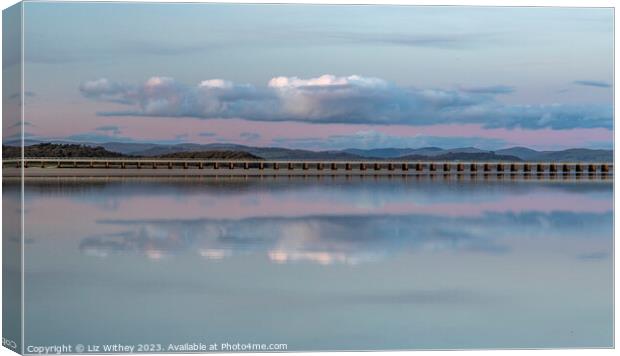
(274, 153)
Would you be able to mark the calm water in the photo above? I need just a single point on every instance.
(319, 264)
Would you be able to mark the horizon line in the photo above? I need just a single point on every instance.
(90, 143)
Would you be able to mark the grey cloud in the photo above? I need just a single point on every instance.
(594, 256)
(431, 297)
(207, 134)
(555, 116)
(163, 96)
(250, 136)
(592, 83)
(95, 137)
(331, 99)
(28, 94)
(114, 130)
(56, 59)
(19, 124)
(495, 89)
(167, 48)
(105, 90)
(441, 41)
(98, 137)
(44, 48)
(17, 137)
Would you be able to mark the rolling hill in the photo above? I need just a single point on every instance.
(184, 150)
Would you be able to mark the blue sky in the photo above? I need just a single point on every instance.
(290, 73)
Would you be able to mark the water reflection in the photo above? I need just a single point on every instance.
(320, 264)
(335, 239)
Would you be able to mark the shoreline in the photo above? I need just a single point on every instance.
(86, 173)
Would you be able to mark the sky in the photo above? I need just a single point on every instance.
(319, 76)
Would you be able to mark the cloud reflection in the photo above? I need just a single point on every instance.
(329, 240)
